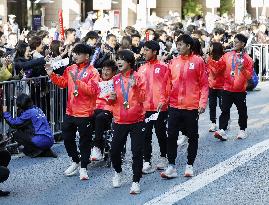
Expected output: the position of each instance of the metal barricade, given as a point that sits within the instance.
(44, 94)
(260, 52)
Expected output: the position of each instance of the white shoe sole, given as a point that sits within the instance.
(71, 174)
(135, 192)
(148, 171)
(84, 178)
(188, 175)
(116, 186)
(165, 176)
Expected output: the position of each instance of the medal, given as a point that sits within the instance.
(125, 92)
(232, 73)
(126, 105)
(75, 93)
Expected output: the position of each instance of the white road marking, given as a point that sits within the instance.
(185, 189)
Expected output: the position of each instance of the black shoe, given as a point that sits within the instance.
(48, 153)
(4, 193)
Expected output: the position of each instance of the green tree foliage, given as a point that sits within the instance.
(192, 8)
(226, 6)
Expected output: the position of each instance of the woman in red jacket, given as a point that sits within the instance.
(127, 100)
(215, 82)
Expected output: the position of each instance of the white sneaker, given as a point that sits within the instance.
(182, 140)
(147, 168)
(213, 127)
(116, 180)
(83, 174)
(242, 135)
(96, 154)
(169, 173)
(162, 164)
(135, 188)
(188, 171)
(72, 170)
(221, 135)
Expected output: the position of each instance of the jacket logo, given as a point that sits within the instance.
(191, 67)
(157, 70)
(117, 81)
(84, 75)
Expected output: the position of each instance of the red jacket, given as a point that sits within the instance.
(238, 83)
(155, 75)
(136, 98)
(84, 104)
(189, 83)
(215, 79)
(102, 102)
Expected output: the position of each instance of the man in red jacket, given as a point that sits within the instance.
(128, 113)
(238, 68)
(155, 75)
(188, 99)
(81, 80)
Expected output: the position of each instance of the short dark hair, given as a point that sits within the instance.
(24, 102)
(187, 39)
(42, 33)
(136, 35)
(91, 35)
(81, 48)
(127, 56)
(241, 38)
(111, 64)
(150, 29)
(153, 45)
(69, 30)
(35, 42)
(109, 36)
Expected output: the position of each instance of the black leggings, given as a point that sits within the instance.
(5, 158)
(102, 122)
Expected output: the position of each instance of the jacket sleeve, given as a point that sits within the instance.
(140, 89)
(24, 117)
(203, 84)
(61, 81)
(216, 66)
(29, 64)
(91, 87)
(247, 70)
(166, 88)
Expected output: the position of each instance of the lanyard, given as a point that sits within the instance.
(76, 77)
(238, 61)
(125, 92)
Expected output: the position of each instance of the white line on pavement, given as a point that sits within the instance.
(185, 189)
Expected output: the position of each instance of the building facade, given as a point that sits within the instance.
(121, 12)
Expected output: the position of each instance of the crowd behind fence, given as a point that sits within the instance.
(52, 99)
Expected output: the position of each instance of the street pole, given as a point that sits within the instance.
(32, 8)
(257, 13)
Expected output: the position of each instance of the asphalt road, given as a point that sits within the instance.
(41, 181)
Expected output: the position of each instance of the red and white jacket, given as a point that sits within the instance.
(189, 82)
(84, 104)
(238, 82)
(155, 75)
(215, 78)
(136, 97)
